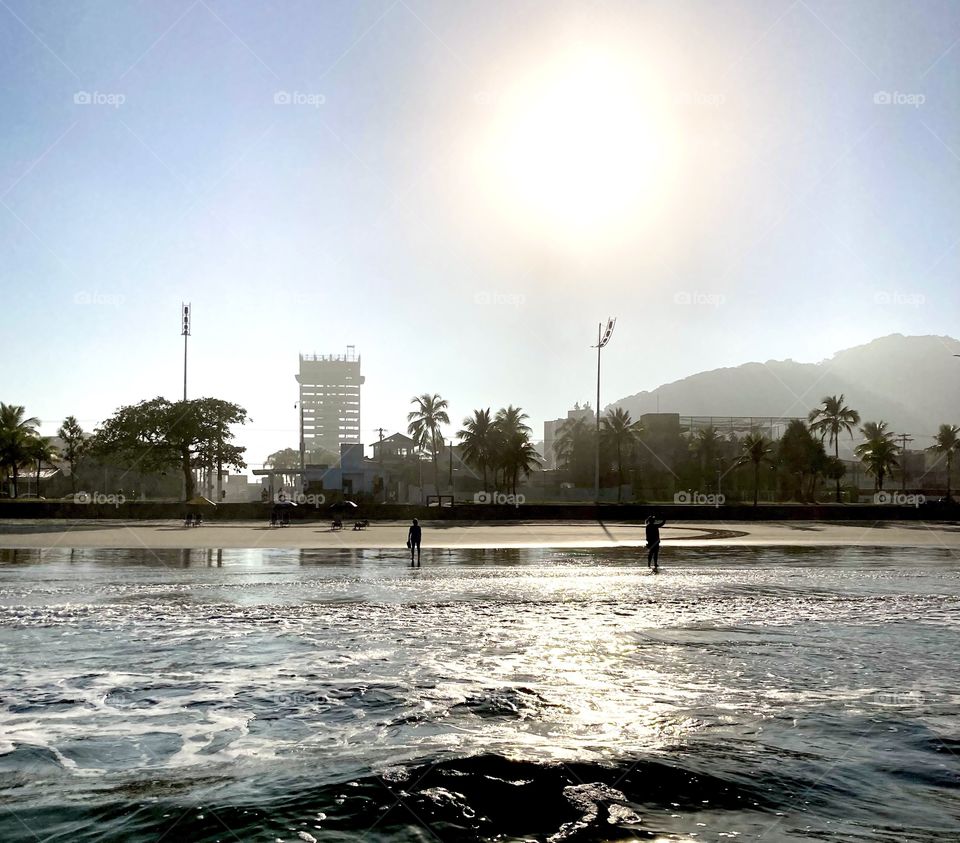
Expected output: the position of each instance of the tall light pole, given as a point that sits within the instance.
(185, 330)
(603, 337)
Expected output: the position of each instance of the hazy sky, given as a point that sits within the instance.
(463, 191)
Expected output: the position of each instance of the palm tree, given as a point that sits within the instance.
(41, 450)
(15, 435)
(946, 442)
(879, 452)
(478, 441)
(573, 447)
(830, 419)
(880, 458)
(756, 450)
(424, 426)
(876, 430)
(619, 432)
(519, 456)
(509, 422)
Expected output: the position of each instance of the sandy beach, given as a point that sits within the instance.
(454, 534)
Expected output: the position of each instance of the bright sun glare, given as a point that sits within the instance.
(580, 149)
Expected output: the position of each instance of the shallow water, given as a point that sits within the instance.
(751, 693)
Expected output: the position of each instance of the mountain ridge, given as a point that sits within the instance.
(880, 379)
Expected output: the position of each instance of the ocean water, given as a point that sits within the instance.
(265, 695)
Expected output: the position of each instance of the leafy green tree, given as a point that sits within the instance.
(75, 446)
(800, 457)
(479, 441)
(620, 434)
(829, 420)
(16, 432)
(40, 450)
(430, 411)
(284, 458)
(159, 434)
(879, 452)
(946, 442)
(756, 450)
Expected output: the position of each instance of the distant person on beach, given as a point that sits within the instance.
(413, 541)
(653, 525)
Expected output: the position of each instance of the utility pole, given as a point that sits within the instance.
(185, 330)
(904, 438)
(383, 477)
(602, 339)
(303, 449)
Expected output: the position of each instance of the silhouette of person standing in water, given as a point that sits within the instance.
(413, 541)
(653, 525)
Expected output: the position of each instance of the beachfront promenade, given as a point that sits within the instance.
(464, 534)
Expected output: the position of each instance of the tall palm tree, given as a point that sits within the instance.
(430, 411)
(879, 451)
(619, 433)
(478, 441)
(519, 456)
(16, 431)
(509, 423)
(880, 458)
(41, 450)
(573, 447)
(946, 442)
(830, 419)
(756, 449)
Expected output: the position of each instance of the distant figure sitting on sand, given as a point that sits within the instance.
(653, 525)
(413, 541)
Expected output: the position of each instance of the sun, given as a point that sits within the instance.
(580, 149)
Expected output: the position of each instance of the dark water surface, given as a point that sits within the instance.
(265, 695)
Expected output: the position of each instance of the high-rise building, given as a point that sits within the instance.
(330, 400)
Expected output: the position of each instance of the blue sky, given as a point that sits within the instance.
(311, 174)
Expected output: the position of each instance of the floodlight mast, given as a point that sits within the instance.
(603, 337)
(185, 330)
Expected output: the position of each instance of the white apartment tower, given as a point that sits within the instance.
(330, 400)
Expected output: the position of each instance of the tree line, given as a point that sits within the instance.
(160, 435)
(153, 435)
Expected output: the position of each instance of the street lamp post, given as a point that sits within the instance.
(603, 337)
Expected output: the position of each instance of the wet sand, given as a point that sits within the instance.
(455, 534)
